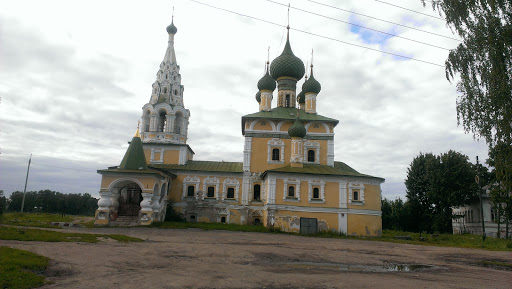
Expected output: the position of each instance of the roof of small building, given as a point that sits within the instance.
(134, 158)
(208, 166)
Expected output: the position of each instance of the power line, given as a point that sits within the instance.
(364, 27)
(318, 35)
(440, 18)
(391, 22)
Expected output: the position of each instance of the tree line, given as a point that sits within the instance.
(47, 201)
(437, 183)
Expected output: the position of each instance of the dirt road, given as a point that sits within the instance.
(194, 258)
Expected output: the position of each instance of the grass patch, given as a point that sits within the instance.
(21, 269)
(22, 234)
(213, 226)
(34, 219)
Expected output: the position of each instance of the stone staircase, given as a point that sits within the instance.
(125, 221)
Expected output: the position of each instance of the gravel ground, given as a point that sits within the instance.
(194, 258)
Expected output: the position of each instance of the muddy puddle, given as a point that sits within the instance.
(361, 268)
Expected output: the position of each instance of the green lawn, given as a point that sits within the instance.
(213, 226)
(34, 219)
(22, 234)
(21, 269)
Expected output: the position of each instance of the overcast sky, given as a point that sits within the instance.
(74, 76)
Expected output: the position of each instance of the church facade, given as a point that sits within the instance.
(288, 178)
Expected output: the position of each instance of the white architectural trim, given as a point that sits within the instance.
(254, 122)
(318, 123)
(271, 189)
(211, 181)
(272, 144)
(188, 181)
(312, 145)
(161, 159)
(227, 184)
(356, 187)
(321, 186)
(291, 182)
(247, 154)
(342, 194)
(330, 152)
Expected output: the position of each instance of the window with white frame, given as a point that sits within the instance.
(211, 187)
(256, 192)
(291, 190)
(230, 187)
(275, 151)
(190, 186)
(316, 191)
(356, 194)
(312, 152)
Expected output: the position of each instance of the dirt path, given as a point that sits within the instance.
(195, 258)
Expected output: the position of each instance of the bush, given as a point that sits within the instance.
(171, 215)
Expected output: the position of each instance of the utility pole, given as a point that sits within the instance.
(477, 180)
(26, 179)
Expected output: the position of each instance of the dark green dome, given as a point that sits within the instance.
(171, 29)
(297, 129)
(267, 83)
(258, 97)
(287, 64)
(301, 97)
(311, 85)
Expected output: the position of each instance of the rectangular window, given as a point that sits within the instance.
(311, 156)
(231, 193)
(211, 192)
(275, 154)
(190, 191)
(257, 192)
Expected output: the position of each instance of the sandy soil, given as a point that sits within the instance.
(194, 258)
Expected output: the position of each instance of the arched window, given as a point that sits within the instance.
(291, 191)
(275, 154)
(316, 193)
(175, 92)
(287, 101)
(145, 121)
(165, 89)
(256, 192)
(177, 123)
(190, 191)
(161, 121)
(311, 156)
(231, 193)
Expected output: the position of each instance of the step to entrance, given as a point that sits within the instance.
(125, 221)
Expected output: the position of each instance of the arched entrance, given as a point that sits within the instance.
(129, 200)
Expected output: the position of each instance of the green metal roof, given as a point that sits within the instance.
(134, 158)
(208, 166)
(287, 113)
(311, 85)
(339, 169)
(287, 64)
(267, 82)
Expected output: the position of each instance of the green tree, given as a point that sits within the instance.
(435, 184)
(484, 62)
(3, 202)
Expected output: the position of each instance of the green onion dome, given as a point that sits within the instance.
(171, 29)
(297, 129)
(301, 97)
(287, 64)
(311, 85)
(267, 83)
(258, 97)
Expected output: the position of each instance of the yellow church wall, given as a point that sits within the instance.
(285, 126)
(319, 129)
(263, 125)
(156, 156)
(259, 154)
(147, 155)
(364, 225)
(177, 187)
(372, 198)
(171, 156)
(289, 221)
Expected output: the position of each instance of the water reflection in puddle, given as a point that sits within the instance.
(361, 268)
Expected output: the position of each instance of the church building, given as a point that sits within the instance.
(288, 178)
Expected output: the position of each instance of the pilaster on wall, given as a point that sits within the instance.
(330, 152)
(271, 191)
(343, 194)
(247, 153)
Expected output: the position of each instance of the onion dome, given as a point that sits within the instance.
(311, 85)
(287, 64)
(301, 97)
(258, 97)
(267, 83)
(171, 29)
(297, 129)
